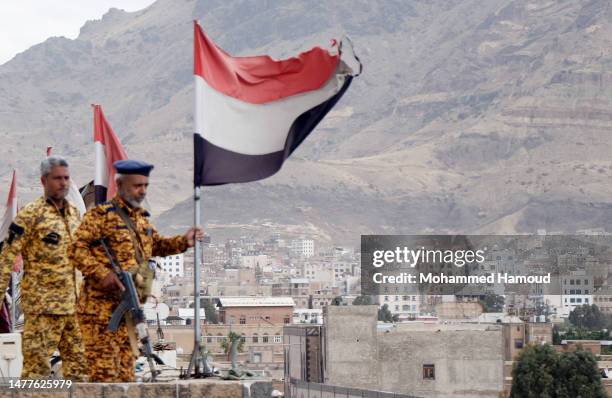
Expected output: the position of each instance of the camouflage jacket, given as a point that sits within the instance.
(103, 222)
(41, 233)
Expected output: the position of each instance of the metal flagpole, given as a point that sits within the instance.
(198, 357)
(13, 302)
(198, 361)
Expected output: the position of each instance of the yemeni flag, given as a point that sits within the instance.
(11, 208)
(252, 112)
(108, 151)
(6, 314)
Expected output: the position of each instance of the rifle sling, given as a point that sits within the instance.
(136, 241)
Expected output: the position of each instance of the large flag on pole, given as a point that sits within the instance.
(108, 151)
(251, 113)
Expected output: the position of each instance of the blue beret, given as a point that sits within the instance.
(133, 167)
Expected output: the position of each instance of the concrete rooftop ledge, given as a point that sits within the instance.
(204, 388)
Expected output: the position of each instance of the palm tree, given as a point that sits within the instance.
(226, 343)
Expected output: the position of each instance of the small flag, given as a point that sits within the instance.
(108, 150)
(9, 216)
(251, 113)
(11, 207)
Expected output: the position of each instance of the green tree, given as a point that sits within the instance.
(209, 310)
(211, 313)
(363, 300)
(534, 372)
(493, 303)
(384, 314)
(540, 372)
(577, 375)
(556, 336)
(588, 317)
(226, 343)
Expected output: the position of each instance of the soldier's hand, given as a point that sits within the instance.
(112, 283)
(194, 234)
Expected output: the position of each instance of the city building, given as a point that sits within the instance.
(303, 247)
(309, 316)
(172, 265)
(255, 310)
(467, 359)
(404, 306)
(576, 290)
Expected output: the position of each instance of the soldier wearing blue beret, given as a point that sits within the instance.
(125, 226)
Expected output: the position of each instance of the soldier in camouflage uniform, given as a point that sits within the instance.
(109, 355)
(41, 232)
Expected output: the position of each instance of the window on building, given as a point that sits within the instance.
(405, 307)
(255, 338)
(287, 320)
(429, 372)
(518, 343)
(209, 339)
(579, 300)
(586, 300)
(572, 300)
(586, 281)
(243, 338)
(256, 357)
(577, 281)
(386, 298)
(242, 320)
(571, 281)
(264, 339)
(278, 339)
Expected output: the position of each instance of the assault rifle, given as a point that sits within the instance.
(129, 308)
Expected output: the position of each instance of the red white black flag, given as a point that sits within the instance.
(108, 150)
(251, 113)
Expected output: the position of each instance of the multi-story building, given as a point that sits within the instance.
(427, 359)
(576, 290)
(603, 299)
(173, 265)
(405, 306)
(255, 310)
(303, 247)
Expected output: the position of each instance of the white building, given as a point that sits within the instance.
(252, 262)
(405, 306)
(173, 265)
(303, 247)
(305, 315)
(576, 290)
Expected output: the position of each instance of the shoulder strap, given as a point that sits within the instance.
(136, 241)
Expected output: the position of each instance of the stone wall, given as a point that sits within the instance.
(205, 388)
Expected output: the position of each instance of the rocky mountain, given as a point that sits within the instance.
(470, 116)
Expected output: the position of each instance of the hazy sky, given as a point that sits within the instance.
(24, 23)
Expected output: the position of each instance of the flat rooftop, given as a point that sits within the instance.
(256, 302)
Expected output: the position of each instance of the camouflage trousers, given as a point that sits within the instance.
(44, 334)
(109, 354)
